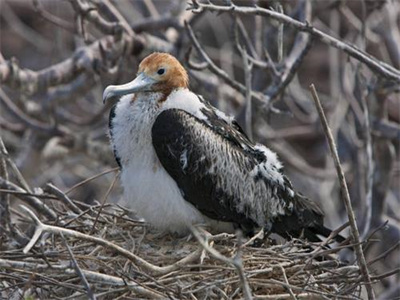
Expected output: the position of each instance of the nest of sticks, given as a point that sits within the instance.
(100, 252)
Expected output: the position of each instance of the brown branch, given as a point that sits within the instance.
(346, 197)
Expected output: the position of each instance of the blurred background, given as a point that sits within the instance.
(56, 58)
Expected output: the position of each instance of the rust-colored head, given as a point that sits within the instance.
(165, 70)
(158, 72)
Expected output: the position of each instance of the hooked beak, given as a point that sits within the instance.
(142, 83)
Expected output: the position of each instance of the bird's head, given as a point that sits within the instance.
(158, 72)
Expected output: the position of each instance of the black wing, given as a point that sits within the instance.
(184, 146)
(110, 127)
(213, 164)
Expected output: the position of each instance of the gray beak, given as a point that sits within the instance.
(142, 83)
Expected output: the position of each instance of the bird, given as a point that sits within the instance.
(184, 162)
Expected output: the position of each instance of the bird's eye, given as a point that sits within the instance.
(161, 71)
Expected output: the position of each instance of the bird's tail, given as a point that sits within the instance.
(305, 219)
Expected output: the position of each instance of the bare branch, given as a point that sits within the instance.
(346, 197)
(378, 66)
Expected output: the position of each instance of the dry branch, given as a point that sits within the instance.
(346, 197)
(148, 267)
(380, 67)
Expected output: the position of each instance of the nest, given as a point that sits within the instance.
(94, 251)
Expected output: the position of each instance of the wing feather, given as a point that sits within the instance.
(229, 178)
(215, 171)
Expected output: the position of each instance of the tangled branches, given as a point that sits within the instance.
(251, 60)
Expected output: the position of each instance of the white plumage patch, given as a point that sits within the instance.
(271, 167)
(148, 188)
(187, 101)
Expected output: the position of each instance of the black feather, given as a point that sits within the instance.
(173, 135)
(110, 126)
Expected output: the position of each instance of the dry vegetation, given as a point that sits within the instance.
(255, 62)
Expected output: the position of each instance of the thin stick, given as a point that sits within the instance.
(280, 36)
(236, 262)
(90, 179)
(287, 282)
(94, 276)
(4, 197)
(78, 270)
(104, 201)
(346, 197)
(33, 201)
(248, 66)
(63, 197)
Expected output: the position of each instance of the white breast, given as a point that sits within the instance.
(148, 188)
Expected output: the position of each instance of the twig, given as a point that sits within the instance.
(387, 274)
(259, 235)
(370, 166)
(104, 201)
(334, 233)
(95, 276)
(216, 70)
(31, 200)
(27, 120)
(116, 169)
(52, 18)
(346, 197)
(236, 262)
(150, 268)
(26, 32)
(117, 15)
(78, 270)
(50, 188)
(4, 198)
(248, 66)
(287, 282)
(293, 61)
(84, 10)
(384, 254)
(280, 36)
(247, 40)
